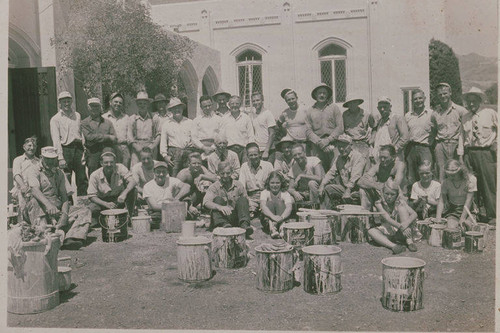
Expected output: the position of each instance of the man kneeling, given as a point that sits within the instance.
(228, 201)
(397, 218)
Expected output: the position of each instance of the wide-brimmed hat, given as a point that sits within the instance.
(352, 100)
(321, 85)
(142, 95)
(49, 152)
(344, 138)
(221, 92)
(160, 98)
(475, 92)
(64, 94)
(452, 169)
(286, 138)
(174, 102)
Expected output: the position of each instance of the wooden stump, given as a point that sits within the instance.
(172, 215)
(403, 279)
(229, 248)
(275, 270)
(194, 262)
(322, 269)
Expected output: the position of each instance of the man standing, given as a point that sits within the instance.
(391, 129)
(68, 141)
(358, 125)
(221, 154)
(98, 133)
(161, 113)
(340, 182)
(293, 119)
(324, 124)
(120, 122)
(264, 125)
(143, 172)
(205, 127)
(221, 98)
(175, 142)
(141, 132)
(480, 128)
(420, 140)
(238, 128)
(447, 125)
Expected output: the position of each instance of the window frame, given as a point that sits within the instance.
(409, 90)
(332, 59)
(246, 63)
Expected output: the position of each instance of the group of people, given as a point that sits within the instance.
(240, 163)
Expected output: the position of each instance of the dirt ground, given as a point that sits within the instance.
(134, 284)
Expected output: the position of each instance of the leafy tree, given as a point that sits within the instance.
(443, 67)
(115, 46)
(492, 94)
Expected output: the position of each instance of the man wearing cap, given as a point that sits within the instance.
(284, 159)
(340, 182)
(264, 125)
(358, 125)
(143, 172)
(141, 130)
(68, 140)
(446, 122)
(162, 188)
(175, 139)
(293, 119)
(98, 133)
(120, 122)
(324, 124)
(205, 127)
(221, 154)
(391, 129)
(160, 115)
(237, 127)
(50, 203)
(221, 98)
(420, 136)
(111, 186)
(480, 128)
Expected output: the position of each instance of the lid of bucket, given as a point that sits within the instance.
(115, 211)
(423, 222)
(318, 216)
(298, 225)
(63, 269)
(274, 247)
(142, 217)
(198, 240)
(474, 233)
(228, 231)
(322, 249)
(438, 226)
(452, 229)
(403, 262)
(439, 221)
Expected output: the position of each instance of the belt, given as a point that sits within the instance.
(74, 144)
(413, 143)
(478, 148)
(447, 140)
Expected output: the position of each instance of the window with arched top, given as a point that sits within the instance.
(249, 63)
(333, 67)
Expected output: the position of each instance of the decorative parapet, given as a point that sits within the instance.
(330, 15)
(246, 22)
(184, 27)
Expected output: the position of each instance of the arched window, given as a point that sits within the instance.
(332, 61)
(249, 64)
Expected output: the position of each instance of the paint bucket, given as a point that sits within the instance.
(474, 242)
(298, 234)
(322, 269)
(142, 212)
(403, 283)
(141, 224)
(194, 259)
(114, 225)
(436, 236)
(188, 228)
(229, 248)
(483, 228)
(323, 232)
(435, 220)
(424, 227)
(452, 239)
(64, 277)
(275, 269)
(303, 216)
(172, 215)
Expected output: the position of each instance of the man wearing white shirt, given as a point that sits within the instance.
(264, 125)
(206, 126)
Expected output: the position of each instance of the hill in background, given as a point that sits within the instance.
(477, 71)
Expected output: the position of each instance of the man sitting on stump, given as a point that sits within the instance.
(228, 201)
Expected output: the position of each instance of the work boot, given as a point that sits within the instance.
(397, 249)
(412, 247)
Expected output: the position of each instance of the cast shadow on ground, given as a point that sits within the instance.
(65, 296)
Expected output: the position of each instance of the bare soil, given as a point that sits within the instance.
(134, 284)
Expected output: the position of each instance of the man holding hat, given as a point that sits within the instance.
(68, 141)
(446, 122)
(98, 133)
(340, 182)
(120, 121)
(358, 125)
(480, 128)
(324, 124)
(175, 139)
(293, 119)
(49, 203)
(391, 129)
(111, 186)
(141, 130)
(205, 127)
(221, 98)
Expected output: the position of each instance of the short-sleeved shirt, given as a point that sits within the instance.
(230, 196)
(159, 120)
(176, 134)
(284, 196)
(158, 193)
(206, 127)
(295, 123)
(64, 129)
(22, 164)
(252, 179)
(120, 124)
(142, 176)
(432, 192)
(94, 132)
(51, 185)
(419, 126)
(457, 195)
(480, 128)
(448, 122)
(213, 161)
(239, 130)
(295, 170)
(261, 124)
(141, 128)
(349, 168)
(281, 165)
(100, 187)
(357, 125)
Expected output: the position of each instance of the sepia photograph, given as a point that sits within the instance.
(250, 165)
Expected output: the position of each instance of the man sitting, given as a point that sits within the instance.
(228, 201)
(199, 179)
(220, 154)
(425, 193)
(162, 188)
(284, 158)
(49, 203)
(253, 176)
(111, 186)
(340, 182)
(143, 172)
(305, 176)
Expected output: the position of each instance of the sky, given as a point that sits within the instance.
(472, 26)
